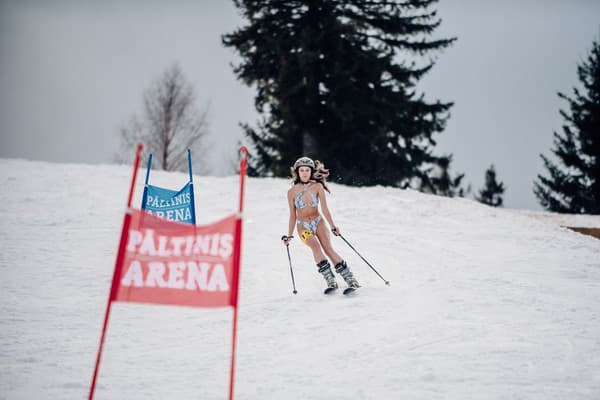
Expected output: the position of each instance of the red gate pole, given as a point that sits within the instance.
(117, 272)
(237, 257)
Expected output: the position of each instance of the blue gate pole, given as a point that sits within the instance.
(191, 187)
(145, 195)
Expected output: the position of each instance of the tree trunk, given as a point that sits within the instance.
(309, 143)
(309, 147)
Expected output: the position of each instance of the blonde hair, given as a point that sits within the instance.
(318, 174)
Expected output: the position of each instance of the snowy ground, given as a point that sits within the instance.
(484, 303)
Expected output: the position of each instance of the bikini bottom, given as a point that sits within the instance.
(310, 227)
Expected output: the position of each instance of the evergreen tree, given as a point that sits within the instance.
(438, 180)
(336, 82)
(492, 192)
(575, 187)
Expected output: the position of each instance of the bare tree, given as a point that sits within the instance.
(170, 125)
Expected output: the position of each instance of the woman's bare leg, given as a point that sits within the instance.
(314, 245)
(325, 241)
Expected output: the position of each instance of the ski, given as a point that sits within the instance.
(329, 290)
(349, 290)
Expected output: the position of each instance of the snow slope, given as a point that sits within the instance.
(484, 303)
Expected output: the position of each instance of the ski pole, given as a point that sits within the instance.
(287, 247)
(352, 247)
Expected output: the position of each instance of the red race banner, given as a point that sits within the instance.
(166, 262)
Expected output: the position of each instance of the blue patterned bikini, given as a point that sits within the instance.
(313, 223)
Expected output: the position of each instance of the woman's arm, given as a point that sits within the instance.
(292, 220)
(325, 210)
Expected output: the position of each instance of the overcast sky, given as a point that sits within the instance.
(73, 72)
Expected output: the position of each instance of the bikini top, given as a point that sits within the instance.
(300, 204)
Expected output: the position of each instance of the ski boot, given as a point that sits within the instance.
(342, 269)
(325, 270)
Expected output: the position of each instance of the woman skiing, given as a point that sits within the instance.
(303, 198)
